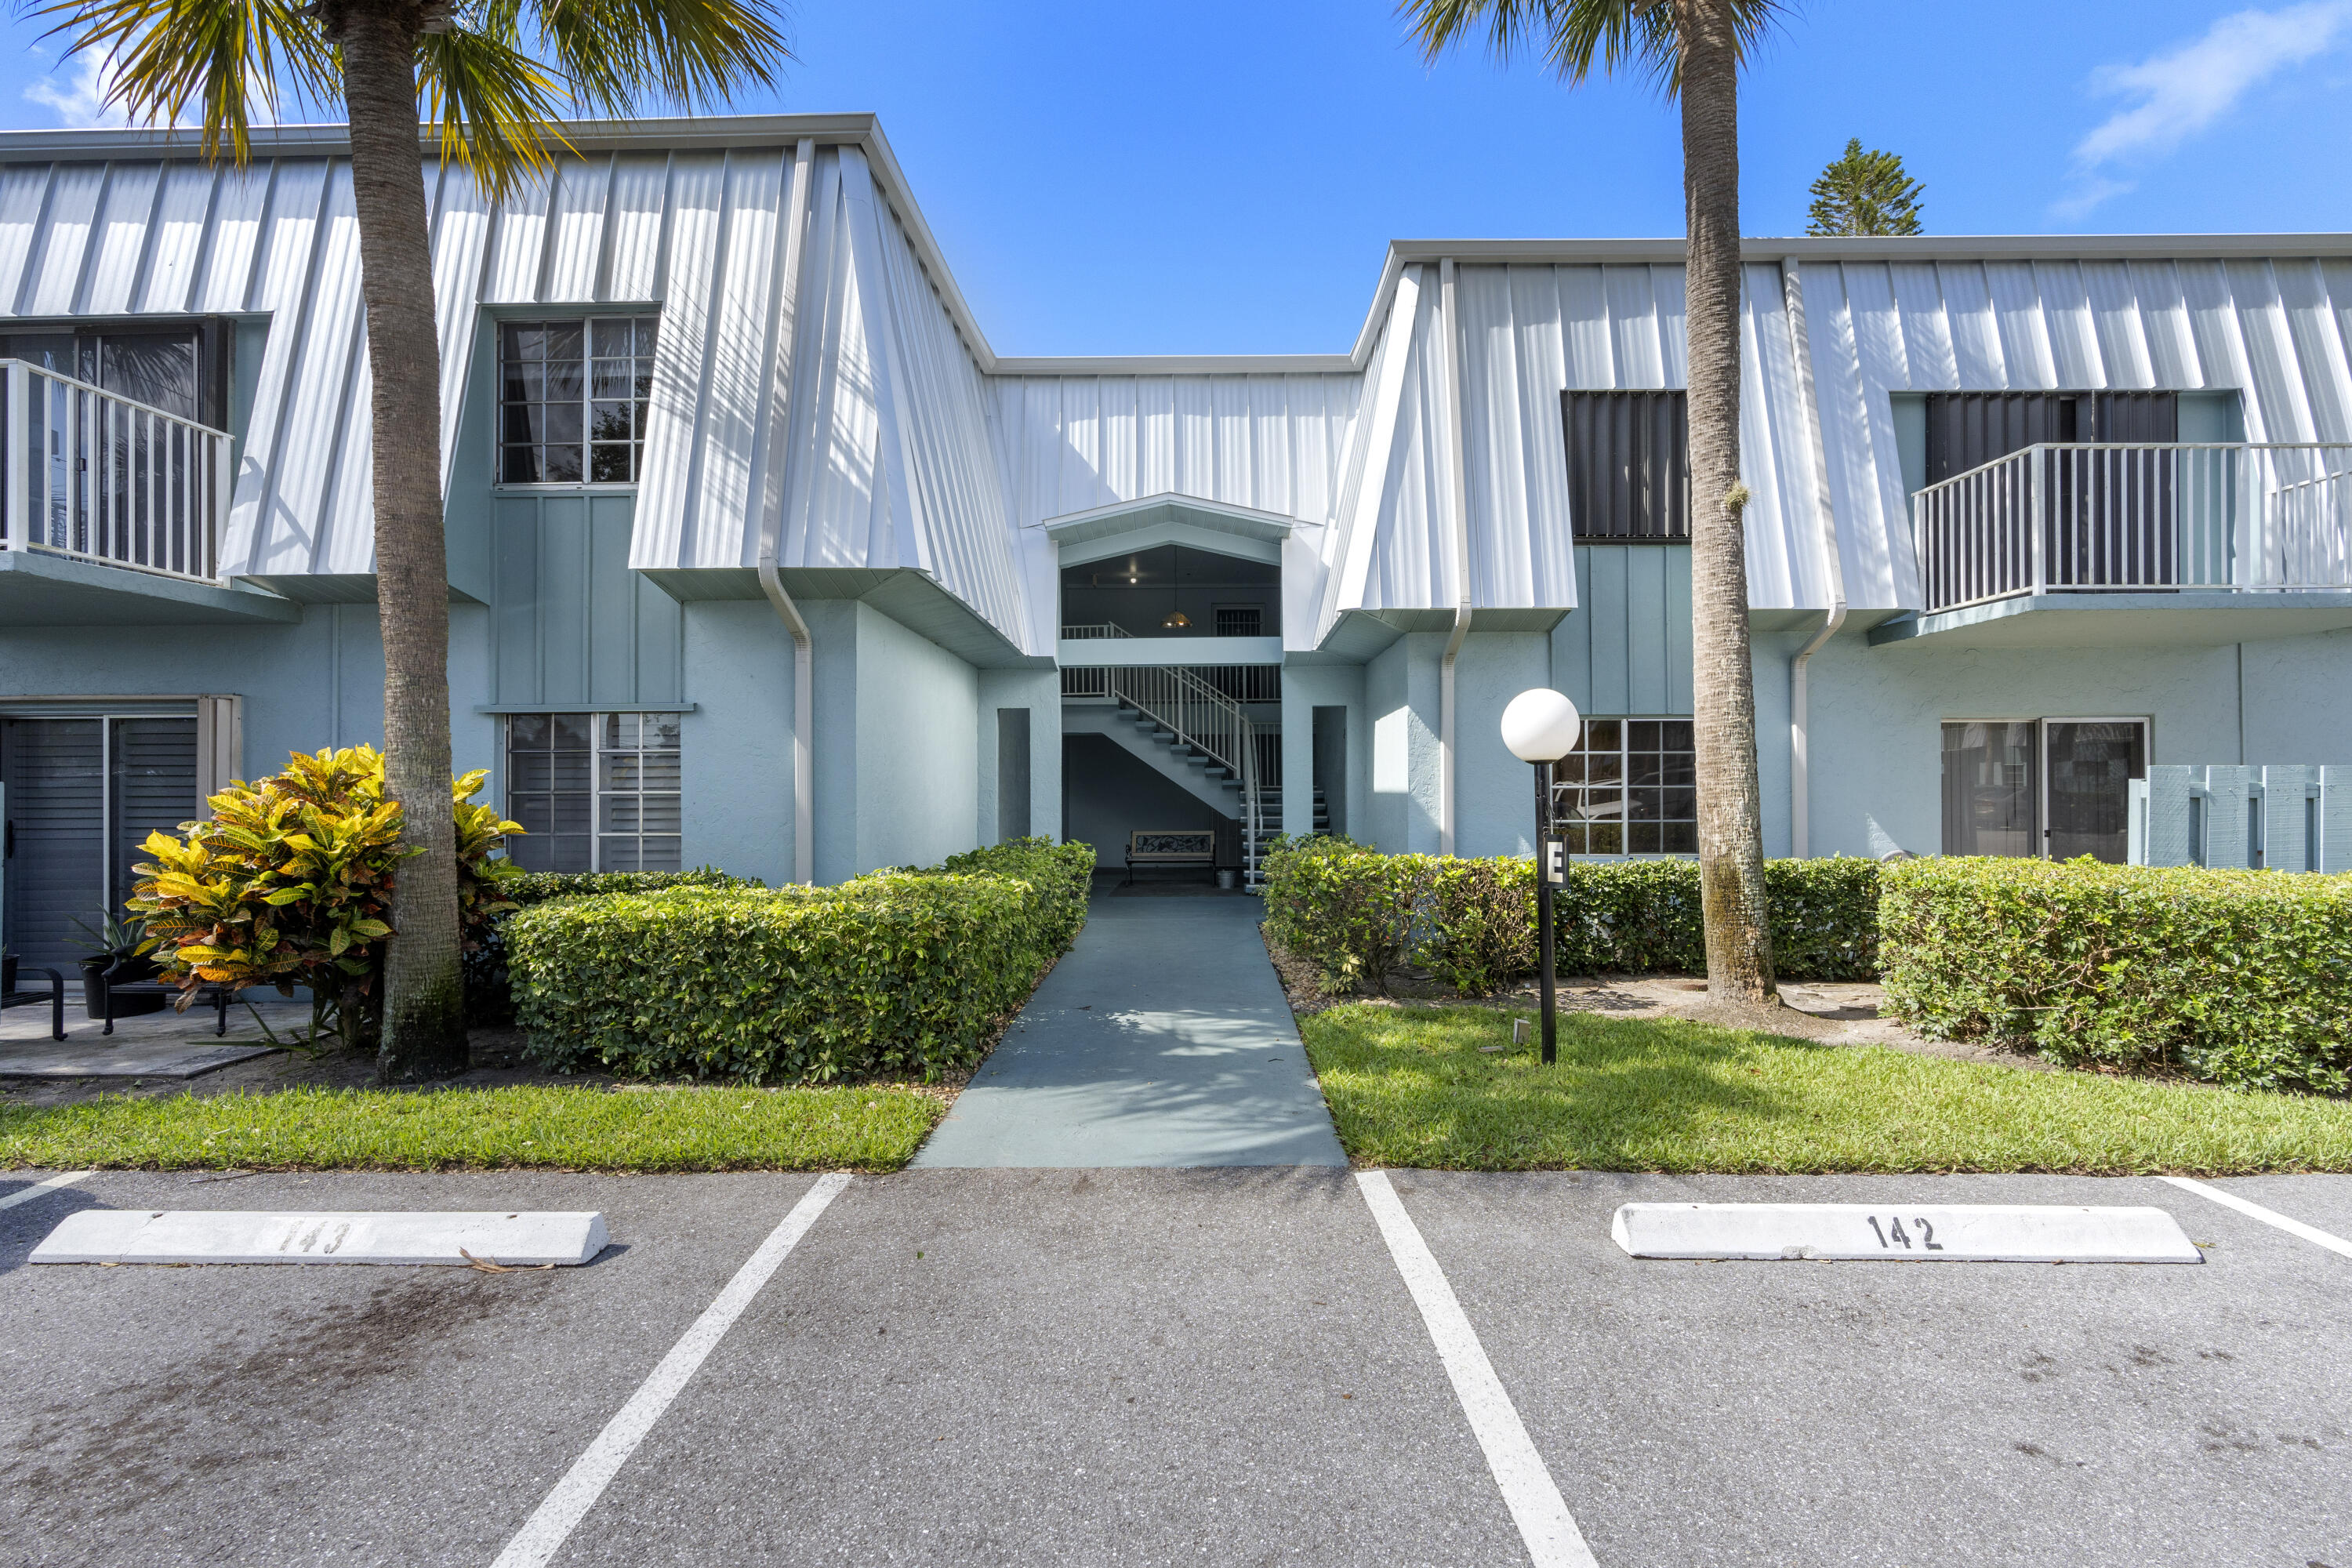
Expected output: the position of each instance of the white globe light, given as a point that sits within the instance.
(1540, 726)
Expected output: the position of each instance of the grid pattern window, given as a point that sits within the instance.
(594, 791)
(1630, 787)
(571, 400)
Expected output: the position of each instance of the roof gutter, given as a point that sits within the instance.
(1457, 503)
(772, 527)
(1792, 290)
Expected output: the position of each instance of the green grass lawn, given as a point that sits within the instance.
(1409, 1086)
(690, 1128)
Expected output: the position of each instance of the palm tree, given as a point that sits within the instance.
(493, 75)
(1694, 51)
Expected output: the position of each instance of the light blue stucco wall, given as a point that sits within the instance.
(1040, 691)
(1401, 704)
(1495, 811)
(317, 682)
(1877, 717)
(735, 746)
(1495, 801)
(1305, 688)
(896, 742)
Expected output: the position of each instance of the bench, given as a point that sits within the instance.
(1185, 847)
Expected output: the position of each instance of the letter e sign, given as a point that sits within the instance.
(1555, 862)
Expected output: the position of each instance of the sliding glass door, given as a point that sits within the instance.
(2088, 766)
(2055, 787)
(78, 798)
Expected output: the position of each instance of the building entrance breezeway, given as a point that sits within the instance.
(1152, 749)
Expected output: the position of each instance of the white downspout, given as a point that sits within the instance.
(1458, 504)
(1799, 763)
(771, 524)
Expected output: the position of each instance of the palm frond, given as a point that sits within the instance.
(224, 55)
(1574, 35)
(611, 53)
(488, 102)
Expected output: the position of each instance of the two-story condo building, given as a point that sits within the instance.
(2028, 514)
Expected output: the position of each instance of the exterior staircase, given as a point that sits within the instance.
(1200, 730)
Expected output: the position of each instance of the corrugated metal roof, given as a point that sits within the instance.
(905, 442)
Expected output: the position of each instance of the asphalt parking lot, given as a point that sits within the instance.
(1158, 1367)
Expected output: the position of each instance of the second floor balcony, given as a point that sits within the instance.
(2256, 523)
(111, 506)
(95, 476)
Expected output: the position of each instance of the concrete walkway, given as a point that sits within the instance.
(1161, 1038)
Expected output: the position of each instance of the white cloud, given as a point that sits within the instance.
(79, 97)
(2172, 96)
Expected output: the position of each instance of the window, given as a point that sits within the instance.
(1240, 620)
(1968, 429)
(1628, 465)
(1630, 787)
(2059, 787)
(572, 404)
(183, 371)
(594, 791)
(83, 792)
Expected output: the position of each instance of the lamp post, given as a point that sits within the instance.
(1540, 727)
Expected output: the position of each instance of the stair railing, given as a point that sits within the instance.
(1205, 719)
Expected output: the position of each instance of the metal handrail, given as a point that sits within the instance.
(95, 476)
(1202, 718)
(1095, 631)
(2108, 517)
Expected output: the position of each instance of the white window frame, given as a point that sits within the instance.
(1623, 784)
(596, 791)
(647, 310)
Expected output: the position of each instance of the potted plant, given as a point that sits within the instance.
(117, 965)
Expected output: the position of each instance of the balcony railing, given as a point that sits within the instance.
(2138, 518)
(92, 475)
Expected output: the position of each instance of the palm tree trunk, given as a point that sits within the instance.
(423, 1003)
(1730, 820)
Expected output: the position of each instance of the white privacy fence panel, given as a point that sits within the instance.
(2292, 818)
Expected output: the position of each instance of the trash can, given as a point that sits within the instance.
(1226, 878)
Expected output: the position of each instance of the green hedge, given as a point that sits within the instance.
(1361, 915)
(900, 971)
(2241, 977)
(490, 1001)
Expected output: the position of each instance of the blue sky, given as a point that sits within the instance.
(1220, 177)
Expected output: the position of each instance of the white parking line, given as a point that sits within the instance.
(577, 1492)
(2309, 1233)
(1545, 1524)
(26, 1195)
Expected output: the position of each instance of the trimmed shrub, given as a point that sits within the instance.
(1063, 873)
(1360, 915)
(897, 971)
(488, 1001)
(1479, 930)
(1352, 911)
(2241, 977)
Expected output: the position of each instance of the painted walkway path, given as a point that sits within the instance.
(1161, 1038)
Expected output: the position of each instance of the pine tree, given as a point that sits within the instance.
(1864, 192)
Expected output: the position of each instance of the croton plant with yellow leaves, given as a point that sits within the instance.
(289, 881)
